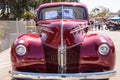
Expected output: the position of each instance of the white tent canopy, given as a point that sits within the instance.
(115, 18)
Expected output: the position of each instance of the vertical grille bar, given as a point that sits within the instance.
(62, 59)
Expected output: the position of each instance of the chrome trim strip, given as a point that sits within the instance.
(62, 59)
(47, 30)
(59, 60)
(61, 31)
(44, 25)
(72, 76)
(62, 50)
(77, 30)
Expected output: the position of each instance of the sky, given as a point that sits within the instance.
(113, 5)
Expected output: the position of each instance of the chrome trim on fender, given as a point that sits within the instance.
(95, 75)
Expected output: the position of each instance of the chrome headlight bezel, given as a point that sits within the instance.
(20, 50)
(104, 49)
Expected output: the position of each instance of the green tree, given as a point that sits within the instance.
(12, 9)
(100, 12)
(3, 8)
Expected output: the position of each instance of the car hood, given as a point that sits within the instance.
(69, 32)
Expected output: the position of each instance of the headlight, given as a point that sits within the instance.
(103, 49)
(21, 50)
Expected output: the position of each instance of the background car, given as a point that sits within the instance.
(62, 48)
(112, 25)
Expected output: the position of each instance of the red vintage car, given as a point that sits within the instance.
(62, 48)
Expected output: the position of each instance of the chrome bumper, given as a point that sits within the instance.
(96, 75)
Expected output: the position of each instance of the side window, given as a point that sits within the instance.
(80, 13)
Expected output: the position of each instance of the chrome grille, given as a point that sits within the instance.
(73, 59)
(51, 56)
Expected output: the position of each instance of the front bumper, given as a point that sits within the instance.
(95, 75)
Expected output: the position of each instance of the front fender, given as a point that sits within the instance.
(34, 55)
(90, 58)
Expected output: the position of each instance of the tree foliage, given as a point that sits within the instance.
(12, 9)
(100, 11)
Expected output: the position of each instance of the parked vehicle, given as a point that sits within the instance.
(63, 48)
(112, 26)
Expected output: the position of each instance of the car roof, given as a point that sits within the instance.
(62, 3)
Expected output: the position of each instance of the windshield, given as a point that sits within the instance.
(64, 12)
